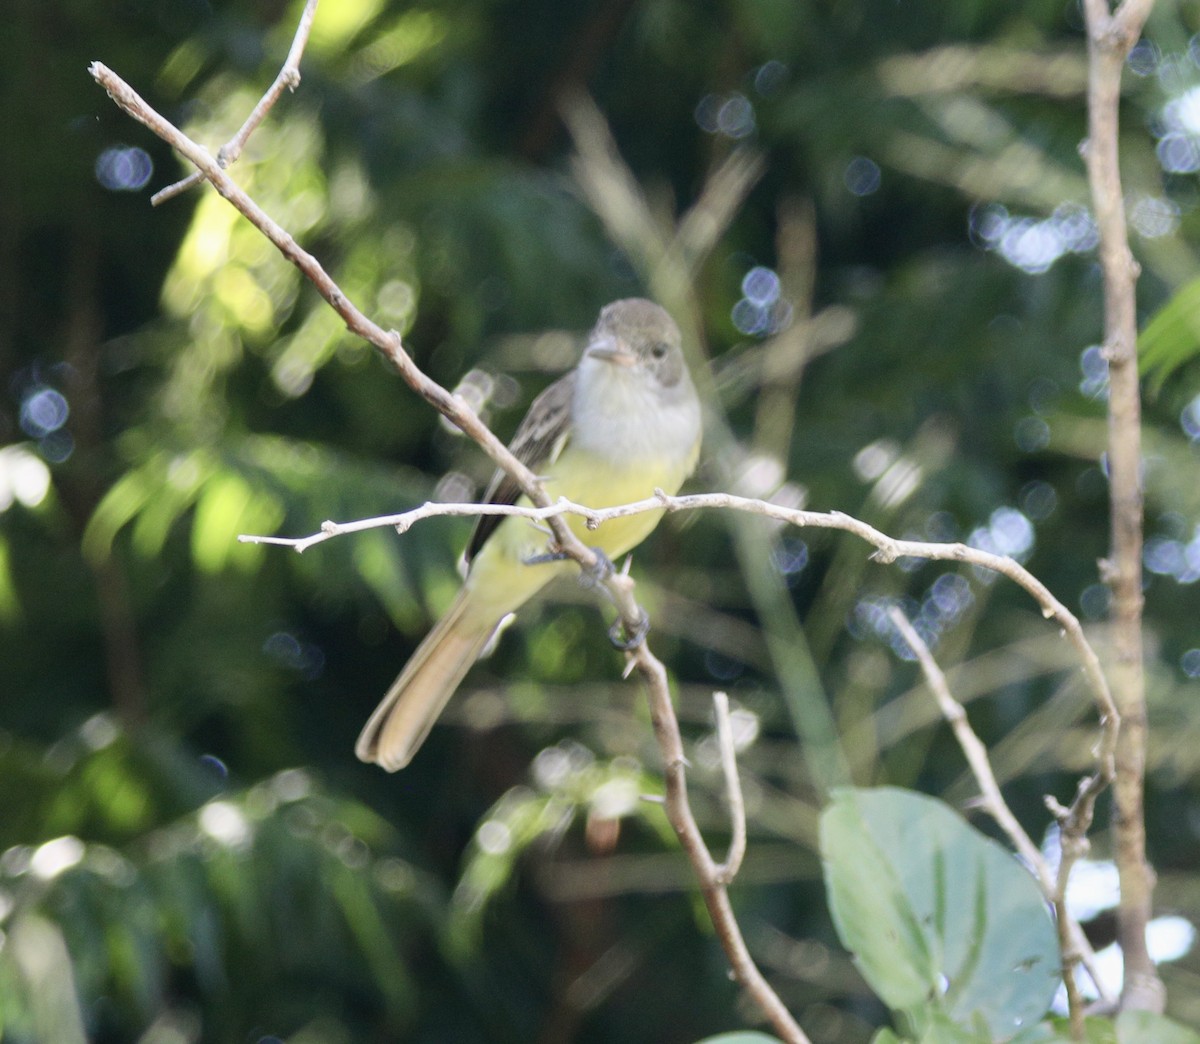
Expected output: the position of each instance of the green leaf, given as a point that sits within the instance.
(936, 915)
(1095, 1031)
(1172, 337)
(523, 815)
(873, 916)
(1052, 1031)
(1130, 1027)
(939, 1028)
(1144, 1027)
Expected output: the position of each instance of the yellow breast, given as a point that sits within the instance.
(499, 574)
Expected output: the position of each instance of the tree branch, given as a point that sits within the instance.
(727, 871)
(1073, 944)
(709, 873)
(1110, 38)
(888, 549)
(452, 407)
(289, 77)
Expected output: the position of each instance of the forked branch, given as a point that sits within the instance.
(289, 78)
(1073, 825)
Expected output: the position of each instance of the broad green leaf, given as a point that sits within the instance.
(1144, 1027)
(1095, 1030)
(935, 912)
(1172, 337)
(939, 1028)
(936, 1027)
(1049, 1032)
(1052, 1031)
(1130, 1027)
(873, 916)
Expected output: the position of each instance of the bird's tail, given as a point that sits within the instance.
(406, 714)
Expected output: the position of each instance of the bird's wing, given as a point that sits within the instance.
(538, 442)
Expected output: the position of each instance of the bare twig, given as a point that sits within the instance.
(785, 355)
(1002, 68)
(727, 871)
(992, 801)
(388, 342)
(289, 77)
(724, 191)
(1073, 822)
(1111, 36)
(888, 549)
(1073, 845)
(1073, 944)
(666, 256)
(708, 872)
(452, 407)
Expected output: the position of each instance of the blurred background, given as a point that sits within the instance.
(872, 221)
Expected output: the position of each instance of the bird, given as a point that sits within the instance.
(624, 422)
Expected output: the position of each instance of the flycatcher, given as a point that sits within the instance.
(624, 422)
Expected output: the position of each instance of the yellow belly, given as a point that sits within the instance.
(501, 578)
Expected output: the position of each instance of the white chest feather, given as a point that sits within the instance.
(621, 416)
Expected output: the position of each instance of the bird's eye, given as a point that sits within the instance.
(659, 351)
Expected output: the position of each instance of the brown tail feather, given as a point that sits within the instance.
(406, 714)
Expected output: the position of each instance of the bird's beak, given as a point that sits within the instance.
(613, 350)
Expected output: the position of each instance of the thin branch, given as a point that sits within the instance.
(992, 801)
(1111, 36)
(706, 220)
(888, 549)
(667, 256)
(1131, 16)
(607, 183)
(1000, 68)
(1073, 845)
(784, 356)
(388, 342)
(1073, 822)
(289, 78)
(727, 870)
(1073, 944)
(82, 489)
(708, 872)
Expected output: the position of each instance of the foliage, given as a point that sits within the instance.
(941, 920)
(920, 242)
(948, 928)
(1171, 337)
